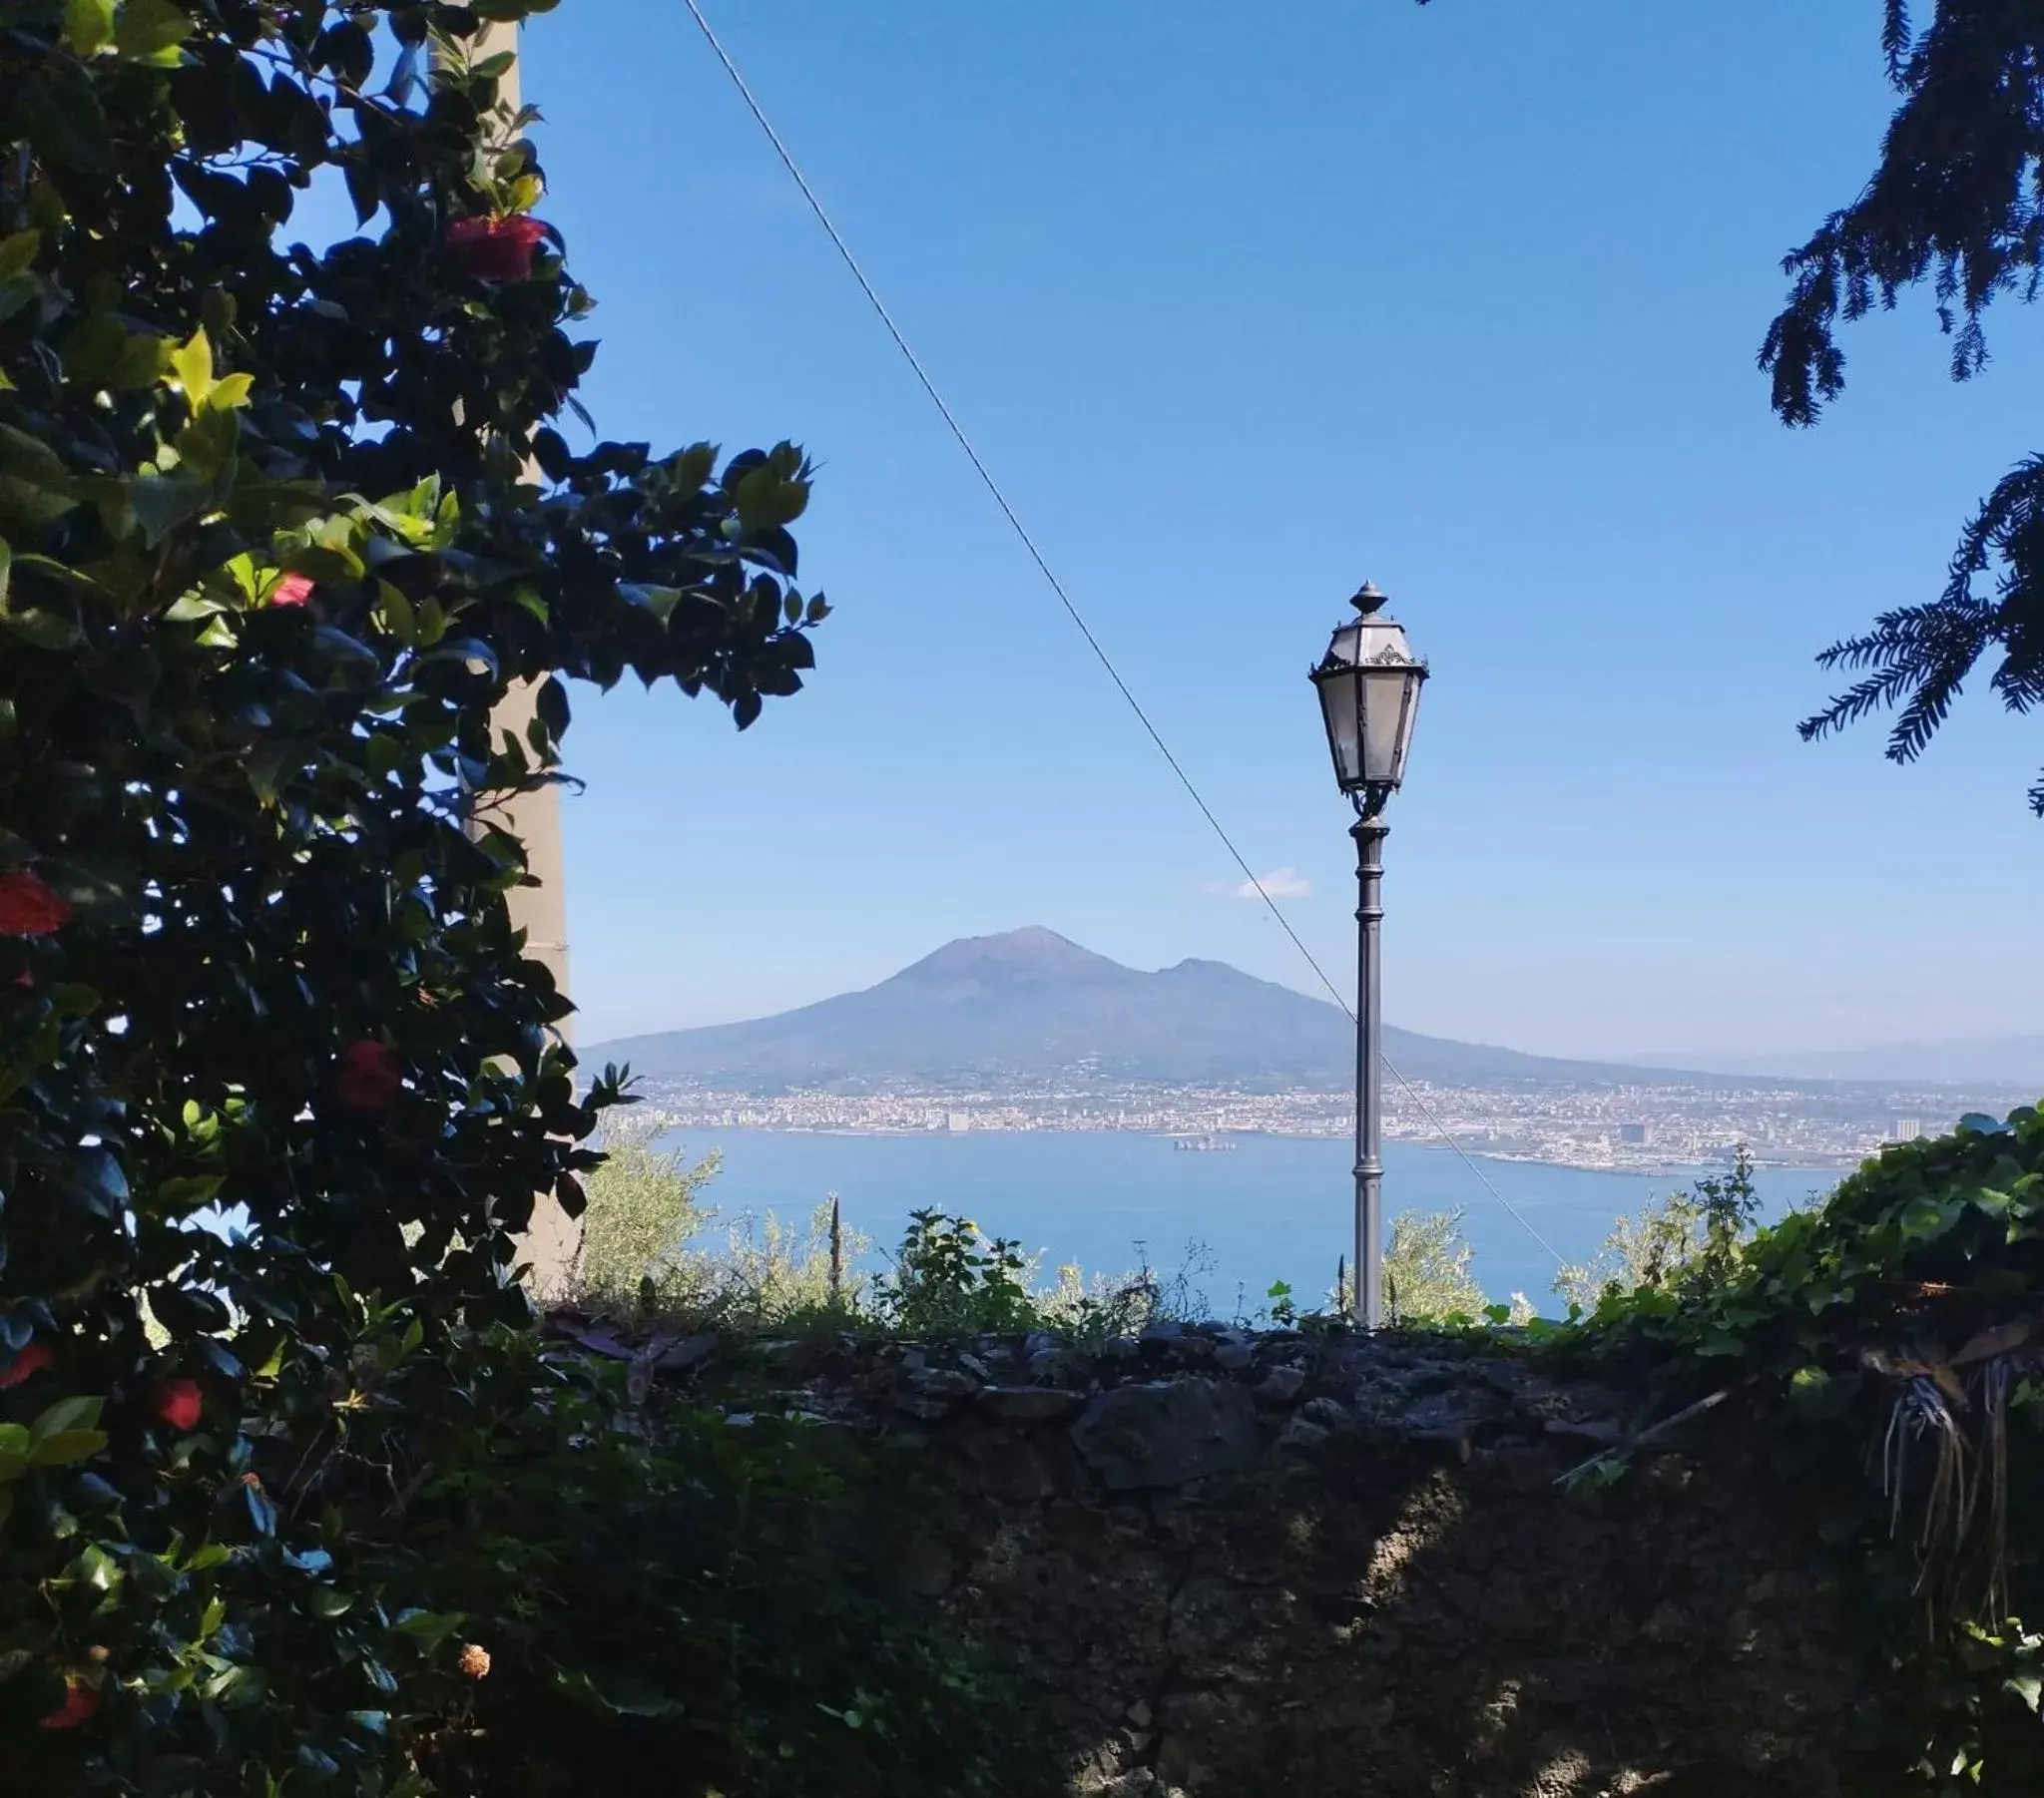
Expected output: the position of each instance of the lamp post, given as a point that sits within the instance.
(1369, 684)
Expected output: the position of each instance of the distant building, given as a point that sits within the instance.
(1636, 1135)
(958, 1120)
(1907, 1130)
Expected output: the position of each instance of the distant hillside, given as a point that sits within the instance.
(1995, 1061)
(1031, 1006)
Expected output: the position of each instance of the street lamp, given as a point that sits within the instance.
(1369, 694)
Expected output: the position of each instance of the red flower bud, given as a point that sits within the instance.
(293, 589)
(80, 1701)
(177, 1403)
(496, 249)
(32, 1360)
(28, 908)
(370, 1077)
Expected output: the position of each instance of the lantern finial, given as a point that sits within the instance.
(1367, 600)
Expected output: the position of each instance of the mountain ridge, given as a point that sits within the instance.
(1029, 1005)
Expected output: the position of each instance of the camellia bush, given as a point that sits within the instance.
(281, 527)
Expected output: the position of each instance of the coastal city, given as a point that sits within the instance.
(1645, 1129)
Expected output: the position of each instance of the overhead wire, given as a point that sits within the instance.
(1057, 586)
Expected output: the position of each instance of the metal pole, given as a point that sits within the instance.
(1369, 1166)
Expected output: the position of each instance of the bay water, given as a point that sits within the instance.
(1270, 1209)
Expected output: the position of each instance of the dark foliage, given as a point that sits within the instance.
(279, 528)
(1957, 200)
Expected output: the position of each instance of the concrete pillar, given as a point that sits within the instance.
(553, 1246)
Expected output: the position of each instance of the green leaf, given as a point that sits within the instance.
(67, 1414)
(88, 25)
(659, 600)
(163, 502)
(66, 1445)
(149, 31)
(208, 444)
(400, 619)
(191, 364)
(429, 1626)
(31, 459)
(18, 252)
(52, 627)
(186, 1193)
(326, 1603)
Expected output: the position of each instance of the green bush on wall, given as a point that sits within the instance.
(1892, 1340)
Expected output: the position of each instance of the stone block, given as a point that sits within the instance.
(1166, 1434)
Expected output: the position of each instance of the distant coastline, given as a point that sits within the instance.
(1666, 1168)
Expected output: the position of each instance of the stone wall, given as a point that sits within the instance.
(1209, 1561)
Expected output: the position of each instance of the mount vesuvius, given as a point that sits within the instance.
(1030, 1007)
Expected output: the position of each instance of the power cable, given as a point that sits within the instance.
(1057, 586)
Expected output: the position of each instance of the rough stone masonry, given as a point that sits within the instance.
(1211, 1561)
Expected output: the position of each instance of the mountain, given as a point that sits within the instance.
(1032, 1006)
(1998, 1060)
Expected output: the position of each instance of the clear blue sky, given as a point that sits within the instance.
(1245, 303)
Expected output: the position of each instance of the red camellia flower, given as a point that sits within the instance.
(293, 589)
(32, 1360)
(370, 1077)
(496, 249)
(28, 908)
(177, 1403)
(80, 1701)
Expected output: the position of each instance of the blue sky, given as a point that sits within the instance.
(1244, 304)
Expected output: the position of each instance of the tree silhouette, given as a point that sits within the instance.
(1957, 200)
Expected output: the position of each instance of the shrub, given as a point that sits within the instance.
(643, 1209)
(1682, 1241)
(1426, 1270)
(951, 1280)
(651, 1248)
(279, 529)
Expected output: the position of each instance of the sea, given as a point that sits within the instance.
(1271, 1208)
